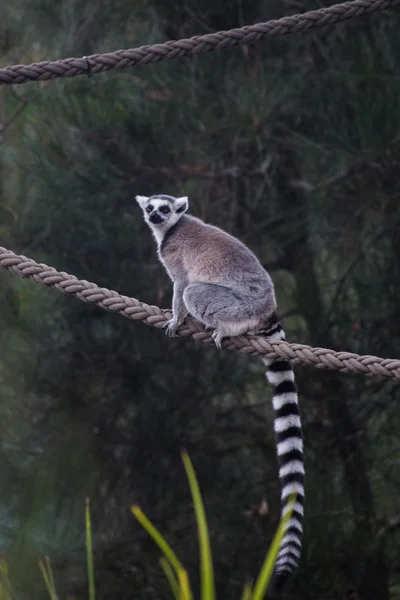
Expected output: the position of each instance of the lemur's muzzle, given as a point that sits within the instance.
(155, 218)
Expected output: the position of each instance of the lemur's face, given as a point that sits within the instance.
(162, 210)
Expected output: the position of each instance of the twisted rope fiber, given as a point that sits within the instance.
(132, 308)
(121, 59)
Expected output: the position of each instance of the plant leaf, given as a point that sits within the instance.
(170, 575)
(89, 552)
(184, 586)
(157, 537)
(206, 566)
(264, 576)
(247, 592)
(48, 577)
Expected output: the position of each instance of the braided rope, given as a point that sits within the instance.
(121, 59)
(131, 308)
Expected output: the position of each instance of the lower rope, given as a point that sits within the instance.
(131, 308)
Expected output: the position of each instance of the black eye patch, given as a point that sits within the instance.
(149, 208)
(164, 210)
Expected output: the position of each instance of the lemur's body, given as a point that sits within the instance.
(220, 282)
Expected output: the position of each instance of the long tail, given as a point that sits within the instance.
(289, 444)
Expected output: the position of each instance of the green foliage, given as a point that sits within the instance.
(174, 571)
(89, 552)
(6, 589)
(47, 572)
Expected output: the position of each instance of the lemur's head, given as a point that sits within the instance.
(162, 211)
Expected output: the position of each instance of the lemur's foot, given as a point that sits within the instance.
(217, 337)
(170, 327)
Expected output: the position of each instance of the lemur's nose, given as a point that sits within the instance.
(155, 218)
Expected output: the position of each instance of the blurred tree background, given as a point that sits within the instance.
(293, 145)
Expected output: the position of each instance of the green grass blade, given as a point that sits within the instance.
(170, 575)
(89, 552)
(48, 578)
(184, 586)
(206, 566)
(6, 589)
(50, 574)
(247, 592)
(264, 576)
(157, 538)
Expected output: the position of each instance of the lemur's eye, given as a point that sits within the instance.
(149, 209)
(164, 210)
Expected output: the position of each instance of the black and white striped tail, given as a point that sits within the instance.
(289, 444)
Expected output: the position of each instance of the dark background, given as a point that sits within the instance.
(293, 145)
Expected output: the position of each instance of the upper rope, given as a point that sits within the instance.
(121, 59)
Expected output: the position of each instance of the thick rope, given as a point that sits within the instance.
(321, 358)
(121, 59)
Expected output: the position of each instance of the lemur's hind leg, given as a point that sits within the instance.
(222, 309)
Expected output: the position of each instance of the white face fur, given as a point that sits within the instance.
(161, 213)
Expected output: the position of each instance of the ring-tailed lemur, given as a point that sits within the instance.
(220, 282)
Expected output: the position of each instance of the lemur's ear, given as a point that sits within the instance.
(142, 201)
(181, 204)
